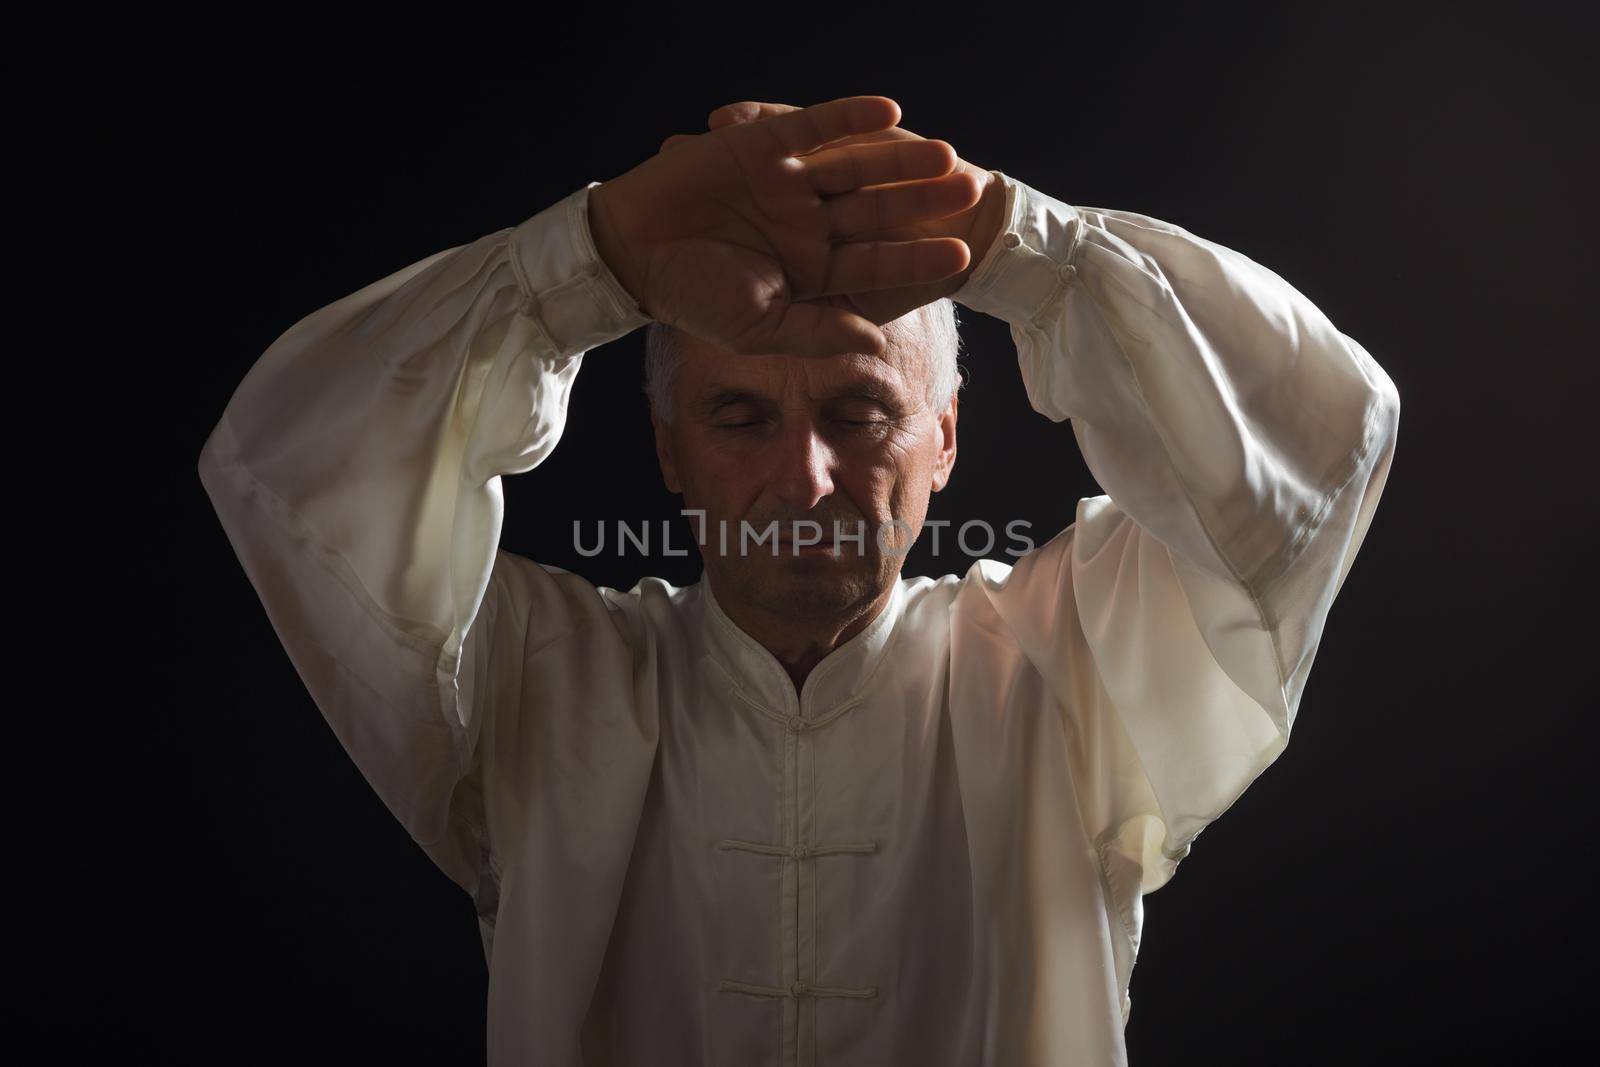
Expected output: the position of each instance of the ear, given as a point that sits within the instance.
(666, 454)
(946, 460)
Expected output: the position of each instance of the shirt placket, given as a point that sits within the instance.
(799, 924)
(798, 852)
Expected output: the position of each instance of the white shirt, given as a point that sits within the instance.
(935, 853)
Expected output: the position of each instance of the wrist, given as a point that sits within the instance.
(988, 216)
(612, 247)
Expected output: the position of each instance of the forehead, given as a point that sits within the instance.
(704, 369)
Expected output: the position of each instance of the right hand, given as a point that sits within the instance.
(734, 236)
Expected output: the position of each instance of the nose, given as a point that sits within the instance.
(804, 467)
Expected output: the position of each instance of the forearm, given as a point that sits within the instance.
(1214, 403)
(608, 242)
(1243, 443)
(356, 473)
(986, 221)
(362, 451)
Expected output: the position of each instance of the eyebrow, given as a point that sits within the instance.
(722, 398)
(866, 390)
(863, 391)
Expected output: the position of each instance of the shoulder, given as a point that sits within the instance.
(1018, 597)
(553, 601)
(953, 600)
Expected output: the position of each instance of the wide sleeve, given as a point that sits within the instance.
(357, 473)
(1242, 443)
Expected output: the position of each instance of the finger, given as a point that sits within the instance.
(863, 266)
(677, 139)
(753, 111)
(821, 330)
(745, 111)
(832, 171)
(880, 136)
(885, 207)
(812, 127)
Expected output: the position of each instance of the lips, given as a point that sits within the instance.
(786, 544)
(789, 547)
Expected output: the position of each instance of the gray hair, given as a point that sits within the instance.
(940, 330)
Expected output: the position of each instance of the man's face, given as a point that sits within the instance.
(761, 438)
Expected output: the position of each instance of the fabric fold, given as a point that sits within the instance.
(356, 470)
(1242, 443)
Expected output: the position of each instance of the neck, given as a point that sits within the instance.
(801, 644)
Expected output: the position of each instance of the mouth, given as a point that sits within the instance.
(789, 548)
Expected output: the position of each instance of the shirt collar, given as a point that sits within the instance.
(834, 685)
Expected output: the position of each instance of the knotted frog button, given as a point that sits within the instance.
(1067, 272)
(798, 989)
(801, 852)
(796, 724)
(1013, 239)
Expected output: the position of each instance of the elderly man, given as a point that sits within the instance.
(807, 810)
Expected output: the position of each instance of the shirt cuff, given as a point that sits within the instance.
(1032, 260)
(567, 287)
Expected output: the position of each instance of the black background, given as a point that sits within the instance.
(1409, 879)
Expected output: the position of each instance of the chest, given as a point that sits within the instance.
(818, 892)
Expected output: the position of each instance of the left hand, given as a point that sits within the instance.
(977, 226)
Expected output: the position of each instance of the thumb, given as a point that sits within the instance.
(820, 330)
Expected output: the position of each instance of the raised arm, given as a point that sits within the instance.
(1243, 443)
(356, 471)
